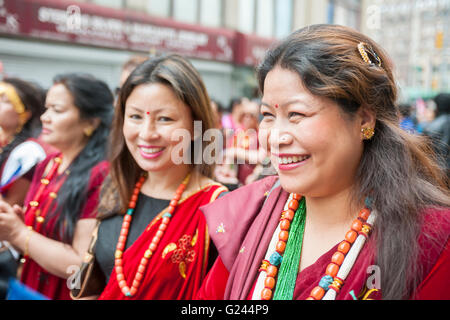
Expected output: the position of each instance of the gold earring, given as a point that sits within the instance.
(367, 133)
(88, 131)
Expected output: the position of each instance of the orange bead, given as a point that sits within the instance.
(280, 247)
(118, 262)
(272, 271)
(136, 283)
(283, 235)
(293, 204)
(266, 294)
(344, 247)
(122, 284)
(317, 293)
(173, 203)
(332, 270)
(141, 269)
(125, 290)
(132, 204)
(338, 258)
(120, 246)
(285, 224)
(159, 234)
(310, 298)
(133, 291)
(119, 270)
(289, 214)
(127, 218)
(364, 214)
(124, 232)
(296, 196)
(153, 246)
(350, 236)
(134, 197)
(144, 262)
(269, 283)
(122, 239)
(165, 220)
(162, 227)
(356, 225)
(120, 277)
(139, 276)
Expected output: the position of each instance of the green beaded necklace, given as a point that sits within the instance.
(288, 272)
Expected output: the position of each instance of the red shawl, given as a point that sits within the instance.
(247, 227)
(178, 266)
(33, 275)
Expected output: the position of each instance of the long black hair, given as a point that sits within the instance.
(32, 97)
(94, 99)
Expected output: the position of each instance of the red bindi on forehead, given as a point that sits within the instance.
(276, 106)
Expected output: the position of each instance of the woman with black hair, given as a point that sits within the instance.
(61, 203)
(21, 105)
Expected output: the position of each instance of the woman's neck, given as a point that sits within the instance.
(333, 211)
(68, 156)
(163, 184)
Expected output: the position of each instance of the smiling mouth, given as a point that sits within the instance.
(151, 150)
(291, 159)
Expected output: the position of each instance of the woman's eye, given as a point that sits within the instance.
(295, 114)
(164, 119)
(134, 116)
(267, 114)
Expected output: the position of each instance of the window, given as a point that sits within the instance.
(186, 10)
(211, 13)
(265, 18)
(160, 8)
(283, 17)
(246, 16)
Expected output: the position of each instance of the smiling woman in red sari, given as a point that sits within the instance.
(156, 243)
(359, 208)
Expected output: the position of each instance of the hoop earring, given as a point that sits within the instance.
(367, 133)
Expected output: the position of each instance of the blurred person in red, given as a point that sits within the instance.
(53, 231)
(21, 105)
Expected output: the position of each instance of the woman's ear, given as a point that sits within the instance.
(367, 118)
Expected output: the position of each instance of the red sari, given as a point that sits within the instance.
(33, 275)
(247, 224)
(178, 266)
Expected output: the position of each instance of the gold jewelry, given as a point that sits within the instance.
(367, 133)
(88, 131)
(11, 93)
(27, 241)
(363, 49)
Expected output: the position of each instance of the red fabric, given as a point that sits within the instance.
(213, 287)
(242, 247)
(32, 274)
(436, 285)
(178, 266)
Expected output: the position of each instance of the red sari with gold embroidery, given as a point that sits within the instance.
(178, 266)
(33, 275)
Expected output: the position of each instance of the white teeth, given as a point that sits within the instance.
(151, 150)
(293, 159)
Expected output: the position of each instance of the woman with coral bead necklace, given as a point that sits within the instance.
(156, 243)
(358, 210)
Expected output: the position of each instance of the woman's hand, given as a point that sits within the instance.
(11, 222)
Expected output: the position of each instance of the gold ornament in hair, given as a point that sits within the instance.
(367, 133)
(364, 50)
(13, 97)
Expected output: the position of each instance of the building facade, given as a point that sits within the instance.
(416, 35)
(224, 39)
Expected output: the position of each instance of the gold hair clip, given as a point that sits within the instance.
(365, 50)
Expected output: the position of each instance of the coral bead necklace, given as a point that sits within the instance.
(336, 272)
(118, 264)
